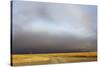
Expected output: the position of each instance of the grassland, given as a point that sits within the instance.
(52, 58)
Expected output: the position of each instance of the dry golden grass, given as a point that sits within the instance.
(34, 59)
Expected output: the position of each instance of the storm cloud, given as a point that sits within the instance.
(41, 27)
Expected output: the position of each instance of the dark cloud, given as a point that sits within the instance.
(48, 27)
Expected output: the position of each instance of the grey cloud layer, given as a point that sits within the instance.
(48, 27)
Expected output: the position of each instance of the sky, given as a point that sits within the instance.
(42, 27)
